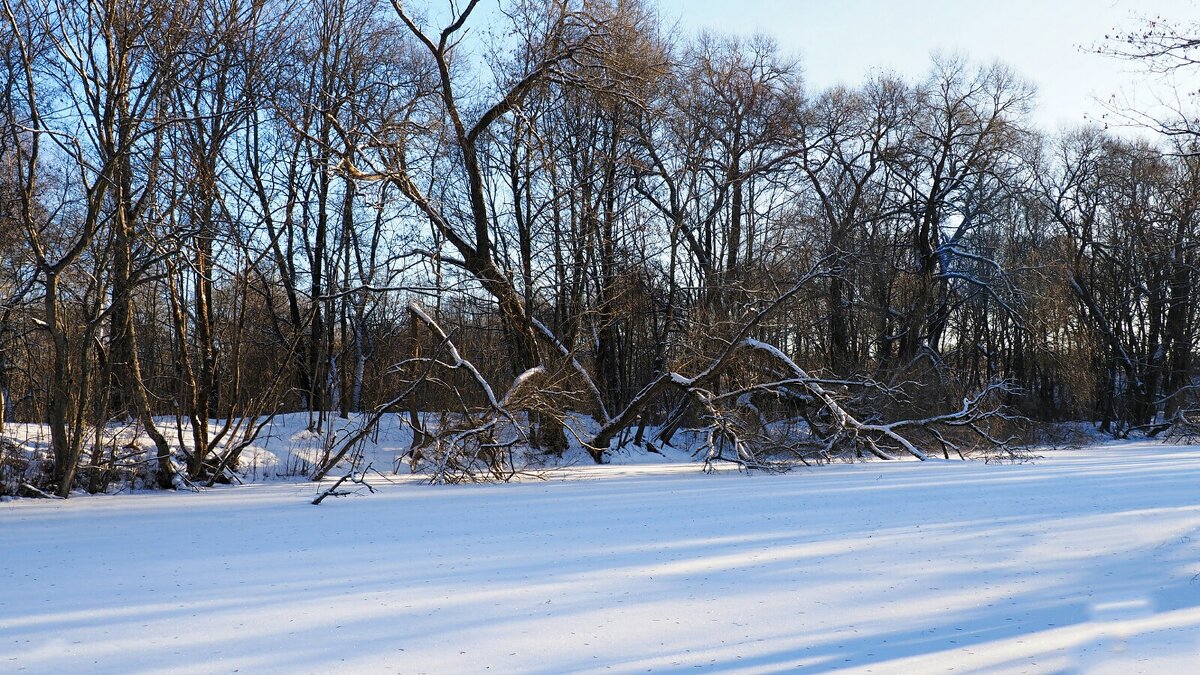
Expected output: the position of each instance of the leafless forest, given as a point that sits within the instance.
(497, 224)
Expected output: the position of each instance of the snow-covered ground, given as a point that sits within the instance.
(1085, 560)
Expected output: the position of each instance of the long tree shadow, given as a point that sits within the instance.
(882, 565)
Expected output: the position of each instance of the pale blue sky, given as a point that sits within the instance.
(843, 40)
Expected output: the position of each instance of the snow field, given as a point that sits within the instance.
(1083, 561)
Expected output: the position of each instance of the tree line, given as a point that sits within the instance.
(497, 222)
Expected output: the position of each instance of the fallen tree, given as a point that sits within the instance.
(734, 421)
(755, 406)
(475, 442)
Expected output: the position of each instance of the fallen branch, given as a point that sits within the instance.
(35, 492)
(355, 478)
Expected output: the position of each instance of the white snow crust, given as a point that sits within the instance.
(1081, 561)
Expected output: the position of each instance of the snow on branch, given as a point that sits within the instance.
(827, 418)
(336, 490)
(588, 380)
(474, 445)
(459, 362)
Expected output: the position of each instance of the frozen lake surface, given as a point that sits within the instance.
(1084, 560)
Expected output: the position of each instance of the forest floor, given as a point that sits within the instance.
(1078, 561)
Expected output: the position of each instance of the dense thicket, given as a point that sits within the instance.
(223, 209)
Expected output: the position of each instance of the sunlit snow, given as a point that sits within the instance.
(1084, 560)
